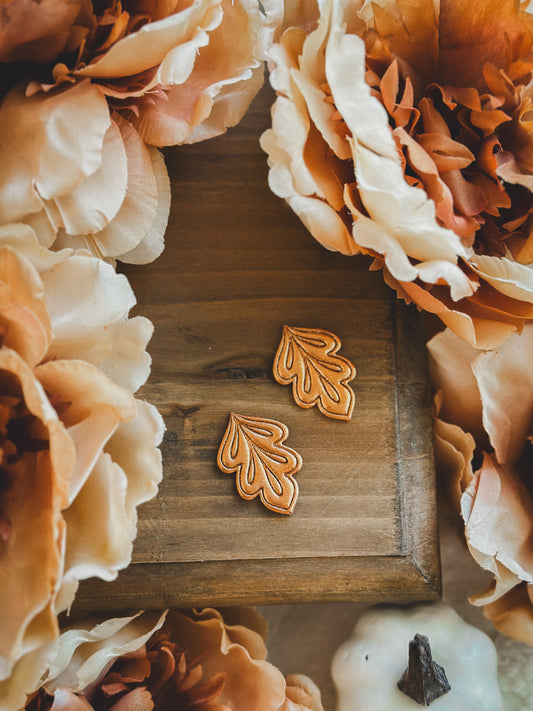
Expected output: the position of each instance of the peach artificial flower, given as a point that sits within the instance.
(512, 613)
(197, 660)
(403, 130)
(79, 451)
(454, 451)
(485, 399)
(88, 92)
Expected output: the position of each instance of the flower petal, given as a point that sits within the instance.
(67, 503)
(67, 701)
(99, 542)
(508, 277)
(23, 239)
(450, 366)
(403, 210)
(435, 187)
(232, 56)
(49, 144)
(454, 451)
(228, 102)
(134, 447)
(25, 677)
(35, 31)
(480, 327)
(476, 33)
(96, 406)
(25, 317)
(506, 386)
(512, 613)
(118, 349)
(84, 294)
(498, 514)
(149, 46)
(89, 304)
(137, 210)
(290, 178)
(86, 650)
(248, 679)
(31, 560)
(324, 223)
(153, 242)
(89, 206)
(302, 693)
(101, 517)
(289, 173)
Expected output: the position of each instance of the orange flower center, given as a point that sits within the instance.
(20, 433)
(453, 141)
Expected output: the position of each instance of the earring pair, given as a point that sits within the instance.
(253, 447)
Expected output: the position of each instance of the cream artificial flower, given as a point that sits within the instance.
(490, 394)
(79, 451)
(81, 176)
(99, 88)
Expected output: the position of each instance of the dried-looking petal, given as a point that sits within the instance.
(506, 387)
(498, 514)
(454, 451)
(512, 613)
(451, 372)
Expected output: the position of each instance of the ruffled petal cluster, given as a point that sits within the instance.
(79, 175)
(490, 395)
(79, 451)
(401, 130)
(176, 660)
(87, 93)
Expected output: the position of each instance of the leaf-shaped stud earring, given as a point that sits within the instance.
(253, 448)
(307, 358)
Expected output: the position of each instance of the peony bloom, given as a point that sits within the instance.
(87, 92)
(403, 130)
(193, 660)
(490, 395)
(79, 451)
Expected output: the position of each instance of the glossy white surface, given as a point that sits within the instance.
(304, 638)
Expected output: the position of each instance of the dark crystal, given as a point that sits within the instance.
(424, 680)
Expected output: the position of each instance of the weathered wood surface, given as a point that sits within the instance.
(238, 265)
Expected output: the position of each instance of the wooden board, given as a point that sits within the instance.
(238, 264)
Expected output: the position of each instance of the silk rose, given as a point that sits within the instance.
(402, 130)
(79, 451)
(88, 91)
(179, 660)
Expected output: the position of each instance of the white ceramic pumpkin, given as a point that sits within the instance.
(368, 666)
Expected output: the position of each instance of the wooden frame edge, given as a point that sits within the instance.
(416, 464)
(283, 581)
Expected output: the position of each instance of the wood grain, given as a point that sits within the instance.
(237, 266)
